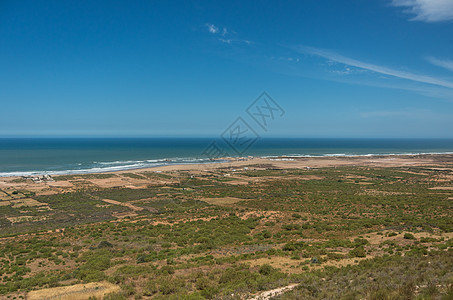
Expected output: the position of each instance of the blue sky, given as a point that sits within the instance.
(376, 68)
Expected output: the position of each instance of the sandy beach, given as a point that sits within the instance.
(439, 160)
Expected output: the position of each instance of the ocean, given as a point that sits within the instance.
(33, 156)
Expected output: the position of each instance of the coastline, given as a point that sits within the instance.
(286, 162)
(229, 171)
(281, 162)
(34, 157)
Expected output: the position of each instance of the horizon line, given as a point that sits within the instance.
(215, 137)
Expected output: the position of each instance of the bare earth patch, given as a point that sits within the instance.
(75, 292)
(128, 205)
(273, 293)
(26, 202)
(237, 182)
(226, 201)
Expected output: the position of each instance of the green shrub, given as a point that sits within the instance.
(150, 288)
(168, 285)
(360, 242)
(104, 244)
(167, 270)
(335, 256)
(358, 252)
(292, 246)
(266, 270)
(202, 283)
(409, 236)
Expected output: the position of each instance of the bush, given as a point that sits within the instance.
(361, 242)
(357, 252)
(167, 270)
(104, 244)
(210, 292)
(266, 270)
(293, 246)
(89, 275)
(409, 236)
(115, 296)
(95, 262)
(150, 288)
(335, 256)
(267, 234)
(168, 285)
(202, 283)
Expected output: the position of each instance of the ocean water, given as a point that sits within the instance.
(89, 155)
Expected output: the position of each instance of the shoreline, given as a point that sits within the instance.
(283, 161)
(97, 167)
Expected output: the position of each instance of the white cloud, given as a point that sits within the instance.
(226, 36)
(375, 68)
(212, 28)
(227, 41)
(427, 10)
(443, 63)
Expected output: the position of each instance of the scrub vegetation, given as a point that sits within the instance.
(345, 232)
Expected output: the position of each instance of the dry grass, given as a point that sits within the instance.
(26, 202)
(285, 264)
(75, 292)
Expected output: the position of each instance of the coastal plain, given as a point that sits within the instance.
(368, 227)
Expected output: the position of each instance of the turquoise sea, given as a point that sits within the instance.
(30, 156)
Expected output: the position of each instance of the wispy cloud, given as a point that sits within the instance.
(443, 63)
(228, 41)
(224, 35)
(212, 28)
(427, 10)
(332, 56)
